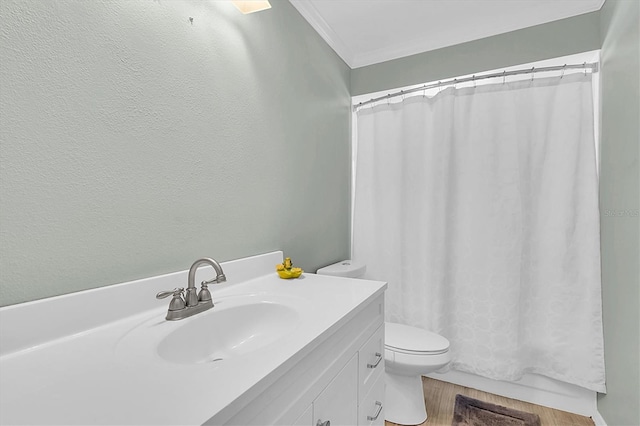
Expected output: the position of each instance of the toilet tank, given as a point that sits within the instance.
(344, 268)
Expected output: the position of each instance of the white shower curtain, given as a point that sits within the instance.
(479, 206)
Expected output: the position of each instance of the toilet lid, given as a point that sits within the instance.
(407, 339)
(346, 268)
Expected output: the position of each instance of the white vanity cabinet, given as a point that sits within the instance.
(295, 351)
(338, 402)
(305, 418)
(371, 380)
(339, 380)
(371, 406)
(355, 396)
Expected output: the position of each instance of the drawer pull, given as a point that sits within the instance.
(378, 359)
(321, 423)
(375, 417)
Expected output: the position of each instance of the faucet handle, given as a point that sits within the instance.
(217, 280)
(175, 292)
(177, 303)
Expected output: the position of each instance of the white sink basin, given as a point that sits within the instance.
(237, 326)
(224, 333)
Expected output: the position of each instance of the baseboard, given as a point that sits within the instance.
(535, 389)
(598, 419)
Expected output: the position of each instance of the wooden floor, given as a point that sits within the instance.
(440, 398)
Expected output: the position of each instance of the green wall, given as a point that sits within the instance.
(619, 204)
(133, 142)
(564, 37)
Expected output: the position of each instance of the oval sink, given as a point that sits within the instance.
(220, 333)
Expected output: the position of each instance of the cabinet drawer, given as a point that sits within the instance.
(371, 361)
(371, 407)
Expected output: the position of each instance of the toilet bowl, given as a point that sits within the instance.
(409, 352)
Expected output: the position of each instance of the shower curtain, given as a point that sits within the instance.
(479, 207)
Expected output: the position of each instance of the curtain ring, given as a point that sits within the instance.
(563, 68)
(439, 86)
(455, 81)
(424, 91)
(504, 76)
(402, 95)
(389, 99)
(474, 81)
(532, 73)
(585, 69)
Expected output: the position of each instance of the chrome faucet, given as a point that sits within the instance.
(184, 305)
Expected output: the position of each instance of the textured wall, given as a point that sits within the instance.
(559, 38)
(619, 204)
(134, 142)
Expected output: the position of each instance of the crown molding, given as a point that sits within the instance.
(409, 47)
(312, 16)
(422, 45)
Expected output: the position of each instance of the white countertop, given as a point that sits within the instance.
(102, 376)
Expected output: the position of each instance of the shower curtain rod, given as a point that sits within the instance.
(592, 66)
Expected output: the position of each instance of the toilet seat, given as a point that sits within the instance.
(417, 353)
(410, 365)
(409, 340)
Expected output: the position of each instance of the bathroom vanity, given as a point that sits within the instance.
(271, 351)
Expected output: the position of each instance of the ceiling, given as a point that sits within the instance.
(365, 32)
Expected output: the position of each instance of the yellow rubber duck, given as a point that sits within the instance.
(286, 270)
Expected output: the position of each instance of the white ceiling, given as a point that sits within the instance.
(365, 32)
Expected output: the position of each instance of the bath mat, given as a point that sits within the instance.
(471, 412)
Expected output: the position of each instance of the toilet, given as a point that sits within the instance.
(409, 353)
